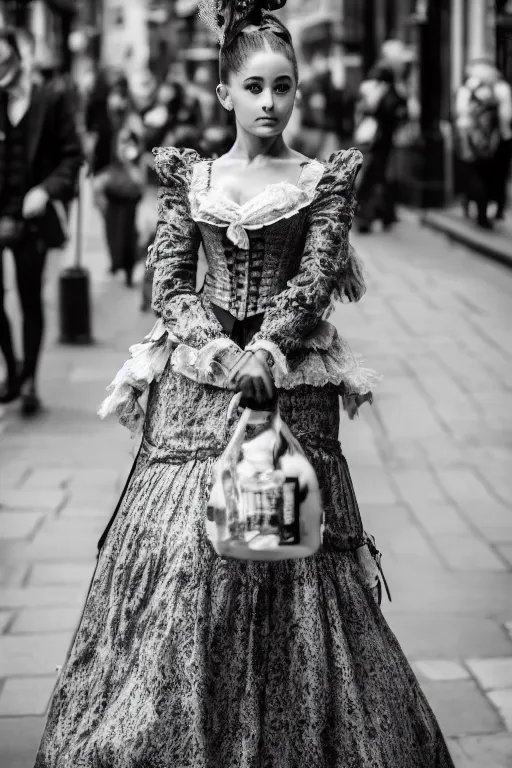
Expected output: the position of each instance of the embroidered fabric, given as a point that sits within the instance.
(183, 658)
(293, 325)
(174, 254)
(325, 263)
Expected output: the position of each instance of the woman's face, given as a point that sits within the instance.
(263, 93)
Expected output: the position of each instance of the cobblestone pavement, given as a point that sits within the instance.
(430, 462)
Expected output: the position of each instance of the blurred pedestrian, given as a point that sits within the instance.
(119, 175)
(477, 131)
(177, 120)
(503, 158)
(400, 58)
(379, 112)
(40, 157)
(173, 115)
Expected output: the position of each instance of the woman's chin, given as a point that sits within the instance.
(267, 129)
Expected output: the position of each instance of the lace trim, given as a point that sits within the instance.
(325, 358)
(146, 364)
(278, 201)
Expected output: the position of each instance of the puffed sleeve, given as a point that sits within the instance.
(174, 254)
(328, 270)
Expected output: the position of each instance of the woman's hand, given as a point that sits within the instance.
(254, 379)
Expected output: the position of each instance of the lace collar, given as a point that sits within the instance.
(277, 201)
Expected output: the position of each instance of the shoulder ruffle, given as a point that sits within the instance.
(339, 178)
(174, 164)
(343, 166)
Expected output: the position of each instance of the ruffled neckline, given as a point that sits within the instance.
(280, 200)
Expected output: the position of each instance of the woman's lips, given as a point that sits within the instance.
(268, 119)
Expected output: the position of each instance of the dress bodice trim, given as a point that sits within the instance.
(277, 201)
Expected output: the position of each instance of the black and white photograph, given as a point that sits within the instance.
(255, 384)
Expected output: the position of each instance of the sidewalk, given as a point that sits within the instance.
(495, 244)
(430, 463)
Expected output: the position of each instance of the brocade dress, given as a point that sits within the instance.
(184, 659)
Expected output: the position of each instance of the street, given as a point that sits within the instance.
(430, 463)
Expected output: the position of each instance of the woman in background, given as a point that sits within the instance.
(380, 110)
(118, 168)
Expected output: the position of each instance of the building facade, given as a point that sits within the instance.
(444, 35)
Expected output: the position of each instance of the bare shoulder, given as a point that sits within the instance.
(299, 157)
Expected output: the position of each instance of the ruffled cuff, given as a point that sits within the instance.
(145, 365)
(325, 358)
(212, 364)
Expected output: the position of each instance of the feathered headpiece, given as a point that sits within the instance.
(228, 18)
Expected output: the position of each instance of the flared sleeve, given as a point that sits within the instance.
(187, 332)
(329, 269)
(174, 254)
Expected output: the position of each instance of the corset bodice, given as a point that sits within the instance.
(252, 250)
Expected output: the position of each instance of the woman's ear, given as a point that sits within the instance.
(224, 97)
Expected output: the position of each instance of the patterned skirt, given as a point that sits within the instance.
(183, 659)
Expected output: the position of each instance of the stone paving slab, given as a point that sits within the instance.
(439, 518)
(26, 695)
(44, 620)
(502, 700)
(60, 573)
(440, 670)
(26, 597)
(47, 479)
(19, 741)
(17, 525)
(493, 751)
(461, 709)
(466, 552)
(22, 499)
(468, 593)
(456, 636)
(492, 673)
(32, 654)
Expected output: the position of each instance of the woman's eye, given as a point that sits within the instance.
(283, 88)
(254, 88)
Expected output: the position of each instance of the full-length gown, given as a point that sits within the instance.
(183, 659)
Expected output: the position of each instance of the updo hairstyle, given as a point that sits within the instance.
(245, 27)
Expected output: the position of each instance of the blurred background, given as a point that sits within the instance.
(423, 88)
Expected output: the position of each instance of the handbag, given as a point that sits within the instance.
(265, 500)
(121, 180)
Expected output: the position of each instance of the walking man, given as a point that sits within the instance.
(40, 157)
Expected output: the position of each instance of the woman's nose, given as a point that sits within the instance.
(268, 100)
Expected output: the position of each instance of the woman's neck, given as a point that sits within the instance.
(248, 147)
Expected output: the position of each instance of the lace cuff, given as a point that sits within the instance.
(212, 364)
(146, 364)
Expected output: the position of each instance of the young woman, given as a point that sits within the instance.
(183, 658)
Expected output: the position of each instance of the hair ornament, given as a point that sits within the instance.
(228, 18)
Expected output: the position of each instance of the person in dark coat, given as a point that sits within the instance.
(383, 109)
(40, 158)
